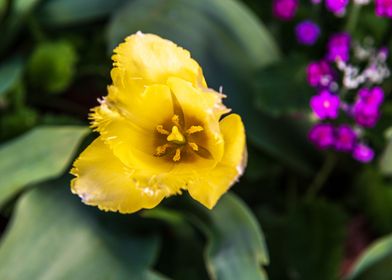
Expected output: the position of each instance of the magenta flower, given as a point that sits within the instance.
(372, 97)
(363, 153)
(338, 47)
(345, 138)
(319, 74)
(325, 105)
(365, 115)
(284, 9)
(384, 8)
(321, 135)
(336, 6)
(307, 32)
(366, 110)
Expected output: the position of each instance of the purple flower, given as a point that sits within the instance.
(319, 74)
(365, 115)
(363, 153)
(383, 53)
(307, 32)
(345, 138)
(336, 6)
(325, 105)
(372, 97)
(338, 47)
(321, 135)
(284, 9)
(366, 110)
(384, 8)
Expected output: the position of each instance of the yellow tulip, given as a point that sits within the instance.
(161, 130)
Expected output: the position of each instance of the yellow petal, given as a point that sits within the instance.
(193, 99)
(198, 109)
(208, 187)
(102, 180)
(150, 107)
(153, 59)
(129, 130)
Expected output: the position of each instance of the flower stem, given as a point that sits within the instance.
(353, 18)
(322, 176)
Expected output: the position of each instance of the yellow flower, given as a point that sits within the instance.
(162, 131)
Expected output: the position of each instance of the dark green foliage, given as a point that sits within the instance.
(375, 194)
(281, 89)
(305, 242)
(55, 63)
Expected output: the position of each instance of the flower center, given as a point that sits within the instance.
(177, 140)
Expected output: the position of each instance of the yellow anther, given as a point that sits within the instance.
(175, 136)
(161, 130)
(176, 120)
(161, 149)
(193, 146)
(177, 156)
(194, 129)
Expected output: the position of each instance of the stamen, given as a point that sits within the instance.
(177, 156)
(176, 136)
(161, 150)
(176, 120)
(194, 129)
(193, 146)
(161, 130)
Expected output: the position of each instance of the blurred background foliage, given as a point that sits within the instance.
(54, 64)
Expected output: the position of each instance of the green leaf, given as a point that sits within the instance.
(19, 11)
(375, 199)
(225, 26)
(230, 43)
(175, 259)
(3, 8)
(236, 247)
(386, 158)
(235, 243)
(54, 236)
(38, 155)
(276, 97)
(10, 73)
(307, 243)
(17, 122)
(375, 263)
(67, 12)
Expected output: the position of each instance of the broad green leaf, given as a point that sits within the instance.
(235, 243)
(3, 8)
(307, 243)
(10, 73)
(230, 43)
(38, 155)
(375, 263)
(278, 98)
(236, 247)
(386, 158)
(17, 122)
(216, 31)
(67, 12)
(52, 235)
(19, 11)
(375, 199)
(175, 257)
